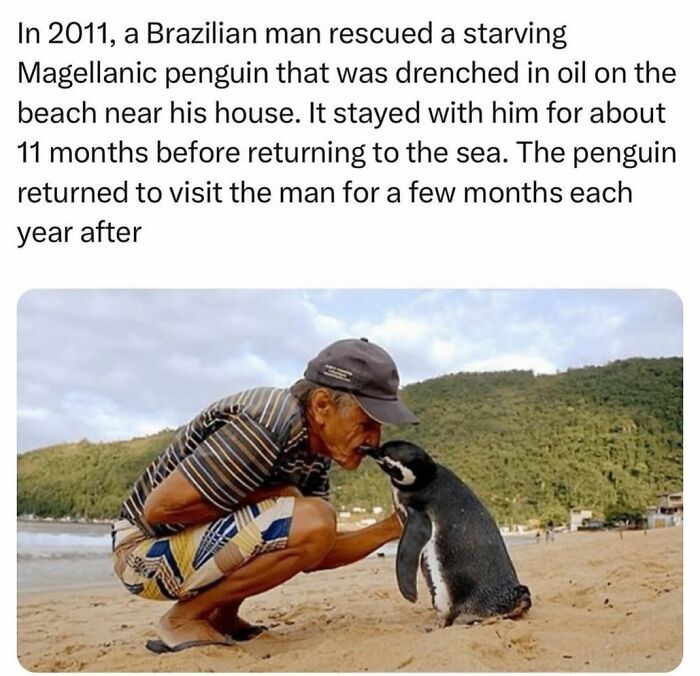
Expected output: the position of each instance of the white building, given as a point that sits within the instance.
(577, 517)
(667, 512)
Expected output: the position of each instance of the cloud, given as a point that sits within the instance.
(37, 413)
(105, 364)
(447, 332)
(112, 364)
(513, 362)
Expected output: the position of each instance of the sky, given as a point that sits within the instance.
(114, 364)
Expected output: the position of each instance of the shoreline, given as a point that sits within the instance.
(61, 555)
(26, 518)
(353, 522)
(601, 602)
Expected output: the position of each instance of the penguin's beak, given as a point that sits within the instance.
(371, 451)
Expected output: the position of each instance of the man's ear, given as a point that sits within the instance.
(321, 405)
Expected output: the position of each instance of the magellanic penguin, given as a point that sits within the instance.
(454, 538)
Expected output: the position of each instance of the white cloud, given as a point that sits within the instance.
(248, 370)
(99, 413)
(115, 364)
(36, 413)
(512, 362)
(185, 364)
(396, 328)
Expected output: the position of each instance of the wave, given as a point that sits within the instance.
(64, 556)
(41, 546)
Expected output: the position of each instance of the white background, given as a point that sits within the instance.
(650, 244)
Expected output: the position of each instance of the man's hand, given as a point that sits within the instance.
(396, 523)
(355, 545)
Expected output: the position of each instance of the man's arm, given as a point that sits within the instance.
(176, 500)
(351, 547)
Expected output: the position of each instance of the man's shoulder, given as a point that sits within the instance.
(275, 408)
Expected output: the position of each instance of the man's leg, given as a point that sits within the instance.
(311, 535)
(347, 548)
(226, 620)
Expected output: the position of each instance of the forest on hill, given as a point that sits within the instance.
(532, 447)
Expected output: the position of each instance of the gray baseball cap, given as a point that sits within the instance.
(365, 370)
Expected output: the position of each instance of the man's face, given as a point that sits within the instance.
(347, 428)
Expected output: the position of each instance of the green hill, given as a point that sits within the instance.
(530, 446)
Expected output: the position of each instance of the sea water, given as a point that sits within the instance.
(64, 555)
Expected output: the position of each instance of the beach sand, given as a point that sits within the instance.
(600, 603)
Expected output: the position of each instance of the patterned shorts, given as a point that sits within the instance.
(181, 565)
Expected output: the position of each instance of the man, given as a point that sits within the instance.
(236, 505)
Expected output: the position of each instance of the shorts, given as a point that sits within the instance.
(175, 567)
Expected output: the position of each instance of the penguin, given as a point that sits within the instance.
(452, 536)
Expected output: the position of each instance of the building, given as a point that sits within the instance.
(667, 512)
(577, 517)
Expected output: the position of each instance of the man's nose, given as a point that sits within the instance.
(374, 436)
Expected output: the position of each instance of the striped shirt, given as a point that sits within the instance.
(254, 439)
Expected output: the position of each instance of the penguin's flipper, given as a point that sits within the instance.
(416, 534)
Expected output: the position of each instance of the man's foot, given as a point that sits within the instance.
(176, 628)
(158, 646)
(226, 621)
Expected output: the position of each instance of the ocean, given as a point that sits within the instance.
(58, 554)
(64, 555)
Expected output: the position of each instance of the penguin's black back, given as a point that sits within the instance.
(474, 560)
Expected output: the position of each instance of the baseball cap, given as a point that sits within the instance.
(367, 371)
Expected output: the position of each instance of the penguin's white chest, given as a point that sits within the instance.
(434, 574)
(400, 508)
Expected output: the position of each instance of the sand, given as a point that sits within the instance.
(601, 603)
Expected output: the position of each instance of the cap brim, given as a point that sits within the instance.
(387, 411)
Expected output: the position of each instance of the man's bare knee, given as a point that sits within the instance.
(313, 529)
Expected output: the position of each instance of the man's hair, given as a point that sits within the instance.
(304, 389)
